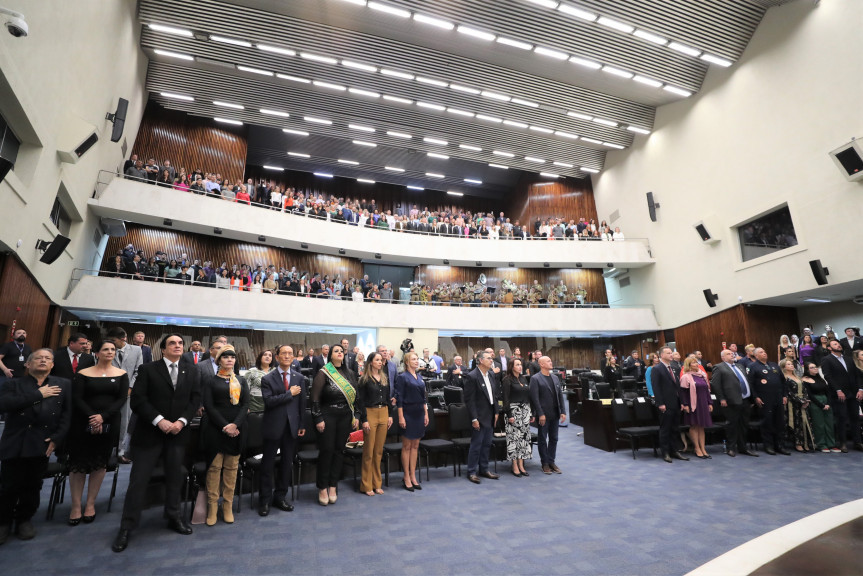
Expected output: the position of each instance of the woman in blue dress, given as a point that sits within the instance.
(410, 392)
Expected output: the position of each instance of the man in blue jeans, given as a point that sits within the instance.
(546, 398)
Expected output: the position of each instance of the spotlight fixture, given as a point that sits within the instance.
(168, 222)
(378, 256)
(262, 238)
(545, 265)
(479, 263)
(304, 246)
(342, 251)
(579, 265)
(610, 264)
(217, 231)
(446, 262)
(512, 264)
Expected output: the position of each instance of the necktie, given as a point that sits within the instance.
(74, 363)
(174, 374)
(196, 357)
(120, 356)
(285, 380)
(744, 387)
(671, 372)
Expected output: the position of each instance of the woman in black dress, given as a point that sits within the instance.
(516, 406)
(98, 394)
(226, 405)
(334, 393)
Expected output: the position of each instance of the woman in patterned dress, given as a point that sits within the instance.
(516, 405)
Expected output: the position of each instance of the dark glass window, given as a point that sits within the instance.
(767, 234)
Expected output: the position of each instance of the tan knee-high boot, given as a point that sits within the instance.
(229, 482)
(213, 474)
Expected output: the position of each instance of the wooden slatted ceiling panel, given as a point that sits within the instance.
(191, 142)
(540, 199)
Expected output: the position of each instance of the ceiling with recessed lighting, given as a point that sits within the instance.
(451, 94)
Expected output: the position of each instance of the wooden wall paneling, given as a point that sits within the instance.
(765, 324)
(537, 199)
(191, 142)
(23, 302)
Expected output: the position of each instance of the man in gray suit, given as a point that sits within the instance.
(729, 384)
(129, 358)
(207, 366)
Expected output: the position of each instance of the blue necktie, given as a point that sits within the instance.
(744, 387)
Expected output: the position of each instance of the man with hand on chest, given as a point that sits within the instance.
(768, 386)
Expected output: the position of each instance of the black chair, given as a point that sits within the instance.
(251, 456)
(435, 384)
(392, 449)
(627, 388)
(625, 426)
(453, 395)
(436, 445)
(58, 472)
(603, 390)
(354, 456)
(113, 466)
(309, 453)
(716, 433)
(460, 424)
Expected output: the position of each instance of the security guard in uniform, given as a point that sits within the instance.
(768, 388)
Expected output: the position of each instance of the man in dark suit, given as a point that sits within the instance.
(207, 364)
(546, 399)
(284, 394)
(195, 353)
(39, 409)
(389, 368)
(768, 387)
(666, 387)
(633, 366)
(134, 268)
(350, 357)
(222, 339)
(308, 359)
(839, 372)
(71, 358)
(850, 343)
(319, 362)
(532, 366)
(480, 396)
(166, 396)
(146, 351)
(456, 375)
(731, 388)
(707, 366)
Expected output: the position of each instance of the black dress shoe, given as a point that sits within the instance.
(406, 487)
(25, 530)
(489, 475)
(708, 456)
(88, 519)
(179, 526)
(284, 505)
(750, 453)
(784, 452)
(679, 456)
(525, 473)
(474, 478)
(73, 521)
(516, 474)
(263, 508)
(770, 451)
(858, 446)
(732, 453)
(667, 458)
(121, 541)
(417, 486)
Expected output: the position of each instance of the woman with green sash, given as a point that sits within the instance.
(334, 393)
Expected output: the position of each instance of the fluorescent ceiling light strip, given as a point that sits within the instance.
(273, 168)
(430, 105)
(228, 121)
(454, 193)
(365, 143)
(545, 3)
(648, 81)
(460, 112)
(473, 181)
(171, 30)
(397, 99)
(501, 166)
(170, 54)
(593, 65)
(650, 37)
(487, 118)
(525, 102)
(323, 174)
(678, 91)
(361, 128)
(275, 50)
(431, 81)
(315, 120)
(591, 140)
(515, 124)
(351, 162)
(563, 164)
(438, 156)
(504, 154)
(434, 175)
(496, 96)
(368, 93)
(254, 70)
(534, 159)
(613, 145)
(563, 134)
(394, 168)
(541, 129)
(435, 141)
(232, 41)
(577, 12)
(228, 105)
(329, 86)
(177, 96)
(465, 89)
(549, 175)
(716, 60)
(359, 66)
(637, 130)
(381, 7)
(514, 43)
(296, 132)
(580, 116)
(617, 72)
(684, 49)
(469, 147)
(556, 54)
(591, 170)
(275, 113)
(481, 34)
(605, 122)
(437, 22)
(616, 25)
(293, 78)
(396, 74)
(365, 181)
(399, 135)
(318, 58)
(299, 154)
(415, 188)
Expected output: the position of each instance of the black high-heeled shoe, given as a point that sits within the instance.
(88, 519)
(73, 521)
(406, 487)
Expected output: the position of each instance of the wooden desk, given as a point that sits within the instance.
(598, 425)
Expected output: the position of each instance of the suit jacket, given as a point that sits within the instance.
(190, 356)
(131, 269)
(726, 386)
(542, 397)
(351, 361)
(318, 362)
(154, 395)
(307, 361)
(30, 418)
(456, 379)
(204, 367)
(63, 365)
(280, 407)
(848, 350)
(838, 377)
(773, 390)
(480, 406)
(146, 354)
(133, 358)
(630, 369)
(665, 387)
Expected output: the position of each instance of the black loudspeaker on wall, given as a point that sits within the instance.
(119, 119)
(669, 335)
(711, 298)
(52, 249)
(8, 150)
(819, 271)
(652, 206)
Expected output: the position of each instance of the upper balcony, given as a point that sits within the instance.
(155, 206)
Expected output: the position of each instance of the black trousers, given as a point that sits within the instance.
(171, 451)
(669, 430)
(773, 425)
(846, 414)
(331, 444)
(737, 428)
(285, 445)
(20, 485)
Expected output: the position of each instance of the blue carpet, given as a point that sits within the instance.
(607, 514)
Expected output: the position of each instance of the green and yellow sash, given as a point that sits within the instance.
(344, 385)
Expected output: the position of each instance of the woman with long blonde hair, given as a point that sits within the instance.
(696, 404)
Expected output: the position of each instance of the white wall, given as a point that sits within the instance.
(756, 136)
(78, 59)
(839, 315)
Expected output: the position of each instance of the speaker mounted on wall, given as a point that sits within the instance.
(820, 272)
(849, 159)
(652, 205)
(703, 229)
(118, 118)
(710, 297)
(52, 250)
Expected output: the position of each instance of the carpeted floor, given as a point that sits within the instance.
(607, 514)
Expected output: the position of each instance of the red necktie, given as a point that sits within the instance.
(196, 357)
(74, 363)
(671, 371)
(285, 380)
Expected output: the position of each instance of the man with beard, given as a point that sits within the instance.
(14, 354)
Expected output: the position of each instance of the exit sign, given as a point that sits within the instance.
(72, 322)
